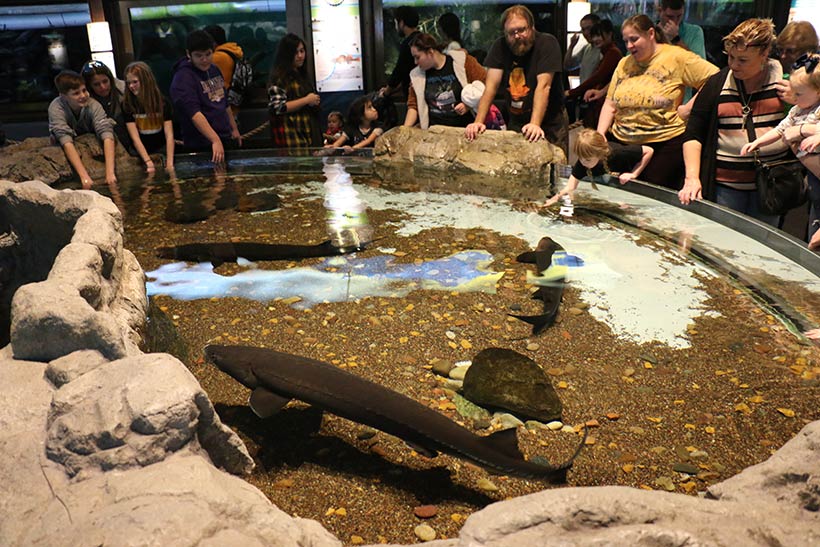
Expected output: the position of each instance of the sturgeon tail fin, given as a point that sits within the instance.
(538, 322)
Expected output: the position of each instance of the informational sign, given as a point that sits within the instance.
(337, 45)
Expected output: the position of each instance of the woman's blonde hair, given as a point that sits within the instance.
(751, 33)
(800, 35)
(801, 75)
(591, 145)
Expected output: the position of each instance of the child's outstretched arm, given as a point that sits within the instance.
(571, 186)
(646, 157)
(74, 159)
(370, 138)
(141, 151)
(168, 129)
(767, 138)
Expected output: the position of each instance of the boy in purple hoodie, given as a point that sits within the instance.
(198, 94)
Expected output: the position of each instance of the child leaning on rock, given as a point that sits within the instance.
(75, 113)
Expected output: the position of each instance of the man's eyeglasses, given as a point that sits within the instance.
(513, 32)
(807, 61)
(91, 66)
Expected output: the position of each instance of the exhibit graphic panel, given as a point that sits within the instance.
(337, 45)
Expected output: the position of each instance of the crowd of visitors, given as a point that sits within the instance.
(763, 106)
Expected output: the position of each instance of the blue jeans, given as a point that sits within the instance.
(814, 202)
(743, 201)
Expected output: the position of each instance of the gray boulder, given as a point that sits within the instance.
(135, 412)
(505, 379)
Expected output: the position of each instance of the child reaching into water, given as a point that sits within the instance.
(802, 125)
(597, 157)
(335, 123)
(362, 127)
(148, 115)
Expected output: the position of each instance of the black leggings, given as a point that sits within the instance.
(666, 168)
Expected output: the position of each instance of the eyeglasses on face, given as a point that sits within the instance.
(514, 32)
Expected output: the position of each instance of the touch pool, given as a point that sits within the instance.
(675, 340)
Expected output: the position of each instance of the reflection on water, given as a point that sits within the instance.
(338, 279)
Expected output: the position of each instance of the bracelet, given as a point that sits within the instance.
(149, 160)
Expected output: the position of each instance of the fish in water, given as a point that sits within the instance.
(275, 378)
(550, 281)
(229, 251)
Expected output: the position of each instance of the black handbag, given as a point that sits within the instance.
(781, 184)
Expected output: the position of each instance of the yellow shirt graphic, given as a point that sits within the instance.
(647, 95)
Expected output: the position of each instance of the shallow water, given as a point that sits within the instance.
(673, 333)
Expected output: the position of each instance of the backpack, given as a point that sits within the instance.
(241, 80)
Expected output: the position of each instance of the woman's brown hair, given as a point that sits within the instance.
(642, 23)
(424, 42)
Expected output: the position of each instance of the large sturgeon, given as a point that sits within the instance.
(276, 378)
(228, 251)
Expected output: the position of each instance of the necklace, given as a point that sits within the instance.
(744, 100)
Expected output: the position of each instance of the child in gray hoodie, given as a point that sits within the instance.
(75, 113)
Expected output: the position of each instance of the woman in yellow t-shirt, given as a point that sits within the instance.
(643, 105)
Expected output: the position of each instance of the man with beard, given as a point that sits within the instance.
(526, 63)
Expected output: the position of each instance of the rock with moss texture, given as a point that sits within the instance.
(505, 379)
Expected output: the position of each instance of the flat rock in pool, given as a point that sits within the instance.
(505, 379)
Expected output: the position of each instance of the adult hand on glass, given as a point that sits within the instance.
(149, 166)
(111, 178)
(473, 130)
(313, 99)
(532, 132)
(87, 183)
(691, 191)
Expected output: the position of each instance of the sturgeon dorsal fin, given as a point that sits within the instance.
(504, 441)
(266, 403)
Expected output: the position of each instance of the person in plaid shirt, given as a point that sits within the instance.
(293, 102)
